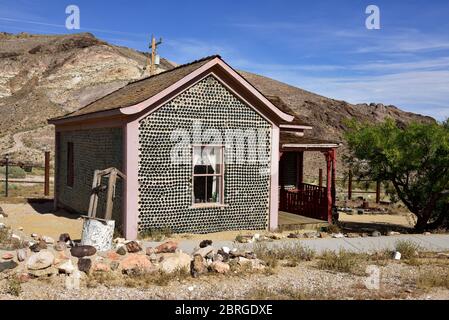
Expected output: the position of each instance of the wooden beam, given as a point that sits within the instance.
(350, 185)
(47, 174)
(320, 178)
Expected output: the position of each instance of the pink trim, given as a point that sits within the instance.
(142, 105)
(86, 125)
(84, 117)
(274, 180)
(130, 165)
(295, 126)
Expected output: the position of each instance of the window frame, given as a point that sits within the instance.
(70, 178)
(220, 202)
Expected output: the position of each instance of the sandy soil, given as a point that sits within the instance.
(399, 220)
(40, 219)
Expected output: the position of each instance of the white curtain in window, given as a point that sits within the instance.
(211, 157)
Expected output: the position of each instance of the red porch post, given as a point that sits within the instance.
(331, 162)
(329, 185)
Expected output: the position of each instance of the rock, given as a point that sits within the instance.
(338, 235)
(60, 246)
(198, 266)
(250, 255)
(220, 267)
(101, 267)
(427, 233)
(34, 235)
(353, 235)
(115, 265)
(226, 250)
(276, 236)
(121, 250)
(23, 277)
(149, 251)
(376, 234)
(153, 257)
(3, 213)
(204, 251)
(48, 240)
(112, 255)
(364, 235)
(397, 255)
(360, 211)
(72, 282)
(2, 225)
(7, 256)
(133, 247)
(294, 235)
(40, 273)
(136, 263)
(253, 263)
(40, 260)
(205, 243)
(20, 228)
(177, 261)
(311, 235)
(84, 265)
(64, 237)
(66, 267)
(21, 255)
(224, 255)
(324, 235)
(8, 265)
(83, 251)
(443, 255)
(119, 241)
(41, 245)
(393, 233)
(167, 247)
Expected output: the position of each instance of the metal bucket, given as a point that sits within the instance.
(98, 233)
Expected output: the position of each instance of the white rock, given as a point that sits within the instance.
(40, 260)
(2, 225)
(48, 240)
(338, 235)
(34, 235)
(175, 262)
(204, 251)
(21, 255)
(226, 249)
(67, 267)
(72, 282)
(15, 236)
(20, 228)
(397, 255)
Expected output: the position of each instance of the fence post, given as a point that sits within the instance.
(47, 174)
(349, 185)
(378, 192)
(6, 174)
(320, 178)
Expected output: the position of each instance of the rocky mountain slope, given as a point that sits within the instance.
(45, 76)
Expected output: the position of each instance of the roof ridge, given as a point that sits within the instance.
(176, 68)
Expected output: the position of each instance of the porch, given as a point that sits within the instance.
(300, 199)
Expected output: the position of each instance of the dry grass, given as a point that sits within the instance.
(408, 249)
(156, 234)
(433, 279)
(13, 286)
(343, 261)
(292, 253)
(281, 294)
(137, 279)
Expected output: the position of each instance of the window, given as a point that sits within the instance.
(208, 173)
(70, 165)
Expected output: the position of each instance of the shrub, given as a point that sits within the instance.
(433, 279)
(344, 261)
(294, 253)
(156, 234)
(13, 286)
(14, 172)
(408, 249)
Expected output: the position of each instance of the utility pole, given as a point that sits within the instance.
(6, 174)
(153, 47)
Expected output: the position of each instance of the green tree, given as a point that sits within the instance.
(414, 159)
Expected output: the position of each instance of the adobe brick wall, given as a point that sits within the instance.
(95, 149)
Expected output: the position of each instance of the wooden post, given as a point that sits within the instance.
(334, 173)
(47, 174)
(377, 192)
(349, 185)
(320, 178)
(6, 174)
(110, 195)
(329, 186)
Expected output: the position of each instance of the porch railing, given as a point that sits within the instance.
(309, 201)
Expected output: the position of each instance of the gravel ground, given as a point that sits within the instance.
(306, 281)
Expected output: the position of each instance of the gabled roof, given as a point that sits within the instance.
(140, 90)
(139, 95)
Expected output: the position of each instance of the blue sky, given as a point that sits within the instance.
(321, 45)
